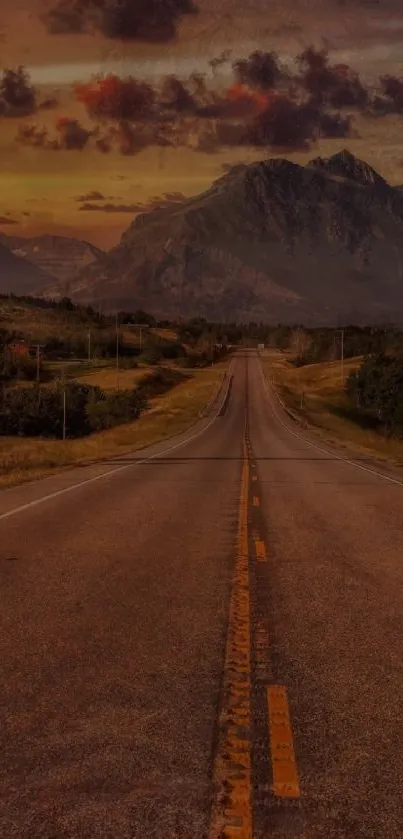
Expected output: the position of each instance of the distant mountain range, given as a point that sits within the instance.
(19, 276)
(271, 241)
(59, 257)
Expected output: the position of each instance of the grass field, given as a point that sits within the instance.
(316, 393)
(109, 378)
(24, 459)
(38, 324)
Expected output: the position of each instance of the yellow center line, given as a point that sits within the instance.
(254, 477)
(255, 501)
(232, 804)
(260, 550)
(285, 773)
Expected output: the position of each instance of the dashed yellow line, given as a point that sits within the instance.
(262, 656)
(285, 773)
(260, 550)
(232, 805)
(256, 501)
(254, 477)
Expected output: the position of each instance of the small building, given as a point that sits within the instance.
(18, 349)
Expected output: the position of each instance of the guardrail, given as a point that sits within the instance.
(299, 420)
(204, 411)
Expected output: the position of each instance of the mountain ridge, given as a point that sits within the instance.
(19, 275)
(271, 240)
(59, 256)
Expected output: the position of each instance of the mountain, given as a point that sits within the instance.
(19, 276)
(271, 241)
(59, 256)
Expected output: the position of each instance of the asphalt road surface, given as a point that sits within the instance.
(206, 641)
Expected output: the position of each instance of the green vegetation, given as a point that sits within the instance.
(26, 458)
(75, 334)
(376, 392)
(158, 388)
(74, 409)
(357, 406)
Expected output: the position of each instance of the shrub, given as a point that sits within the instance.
(19, 368)
(377, 388)
(127, 362)
(38, 411)
(115, 408)
(152, 355)
(173, 350)
(159, 381)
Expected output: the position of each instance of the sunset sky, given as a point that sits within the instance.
(155, 139)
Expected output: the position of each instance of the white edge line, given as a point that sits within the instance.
(58, 492)
(313, 445)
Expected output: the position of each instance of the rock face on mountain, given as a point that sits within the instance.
(19, 276)
(59, 256)
(271, 241)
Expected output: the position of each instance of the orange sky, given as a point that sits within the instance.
(41, 188)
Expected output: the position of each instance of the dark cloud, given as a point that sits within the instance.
(17, 95)
(111, 208)
(222, 59)
(48, 104)
(175, 96)
(392, 88)
(335, 85)
(114, 98)
(260, 70)
(33, 135)
(167, 200)
(70, 136)
(124, 137)
(287, 124)
(142, 20)
(239, 101)
(94, 195)
(103, 145)
(128, 139)
(282, 124)
(8, 220)
(334, 125)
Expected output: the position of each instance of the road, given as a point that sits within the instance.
(205, 641)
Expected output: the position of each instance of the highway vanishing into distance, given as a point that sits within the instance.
(205, 640)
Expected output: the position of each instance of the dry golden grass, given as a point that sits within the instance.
(110, 379)
(167, 334)
(23, 459)
(325, 407)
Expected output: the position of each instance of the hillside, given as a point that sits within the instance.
(271, 241)
(19, 276)
(59, 256)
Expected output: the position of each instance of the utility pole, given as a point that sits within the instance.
(140, 327)
(38, 376)
(37, 363)
(64, 412)
(342, 356)
(117, 351)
